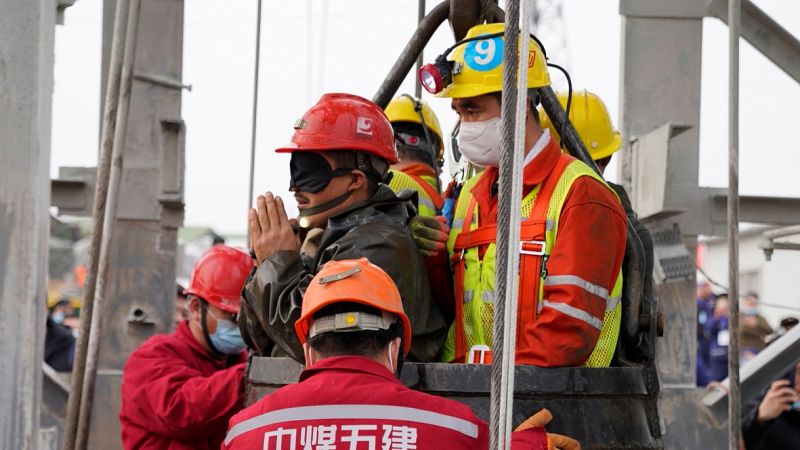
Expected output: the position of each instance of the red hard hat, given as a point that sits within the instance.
(344, 122)
(219, 277)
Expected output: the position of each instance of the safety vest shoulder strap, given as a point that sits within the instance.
(434, 195)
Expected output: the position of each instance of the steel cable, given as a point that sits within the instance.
(507, 228)
(114, 177)
(101, 190)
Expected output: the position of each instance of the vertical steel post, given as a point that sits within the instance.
(256, 70)
(417, 84)
(27, 30)
(734, 417)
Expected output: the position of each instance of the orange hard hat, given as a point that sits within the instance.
(344, 122)
(219, 277)
(352, 281)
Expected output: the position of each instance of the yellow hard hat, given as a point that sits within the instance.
(404, 109)
(590, 118)
(478, 67)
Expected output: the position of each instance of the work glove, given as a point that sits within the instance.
(430, 234)
(554, 441)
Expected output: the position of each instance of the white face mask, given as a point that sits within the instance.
(479, 142)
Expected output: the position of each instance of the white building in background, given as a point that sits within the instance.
(777, 281)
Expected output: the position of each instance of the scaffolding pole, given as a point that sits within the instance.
(734, 407)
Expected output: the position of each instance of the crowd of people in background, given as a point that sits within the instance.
(772, 420)
(755, 333)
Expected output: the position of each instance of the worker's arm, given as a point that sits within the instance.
(170, 398)
(581, 272)
(273, 299)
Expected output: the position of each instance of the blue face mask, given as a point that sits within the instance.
(750, 311)
(227, 340)
(58, 317)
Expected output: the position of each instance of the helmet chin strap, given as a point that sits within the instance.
(203, 309)
(305, 214)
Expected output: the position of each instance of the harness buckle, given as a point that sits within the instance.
(525, 249)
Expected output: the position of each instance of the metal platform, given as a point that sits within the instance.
(611, 408)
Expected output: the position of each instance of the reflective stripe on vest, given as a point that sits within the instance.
(473, 256)
(429, 200)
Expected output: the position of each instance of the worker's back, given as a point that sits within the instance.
(345, 400)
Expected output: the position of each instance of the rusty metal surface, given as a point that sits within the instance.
(612, 408)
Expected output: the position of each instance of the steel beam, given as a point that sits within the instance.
(660, 81)
(27, 32)
(765, 34)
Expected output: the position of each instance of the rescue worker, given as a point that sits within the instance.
(340, 156)
(589, 115)
(420, 150)
(354, 333)
(179, 390)
(572, 238)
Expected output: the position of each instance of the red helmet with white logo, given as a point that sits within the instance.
(344, 122)
(219, 277)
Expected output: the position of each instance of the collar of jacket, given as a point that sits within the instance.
(184, 333)
(384, 206)
(348, 364)
(420, 170)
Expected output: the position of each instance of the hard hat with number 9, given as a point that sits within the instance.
(352, 281)
(591, 120)
(344, 122)
(219, 277)
(478, 67)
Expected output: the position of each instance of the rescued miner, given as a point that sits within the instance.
(340, 156)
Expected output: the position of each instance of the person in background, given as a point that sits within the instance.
(59, 346)
(705, 310)
(772, 422)
(717, 368)
(753, 328)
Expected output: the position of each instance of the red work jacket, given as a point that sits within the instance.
(351, 402)
(582, 267)
(176, 395)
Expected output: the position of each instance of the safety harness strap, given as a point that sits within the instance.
(434, 195)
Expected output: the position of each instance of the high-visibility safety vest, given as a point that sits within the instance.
(474, 272)
(430, 200)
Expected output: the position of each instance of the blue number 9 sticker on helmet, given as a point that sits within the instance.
(485, 54)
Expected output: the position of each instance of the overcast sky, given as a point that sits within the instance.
(352, 51)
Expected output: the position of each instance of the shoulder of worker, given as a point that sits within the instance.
(588, 191)
(166, 349)
(338, 383)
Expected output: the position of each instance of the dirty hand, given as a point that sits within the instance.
(779, 398)
(430, 234)
(554, 441)
(270, 228)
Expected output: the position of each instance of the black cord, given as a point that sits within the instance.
(569, 99)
